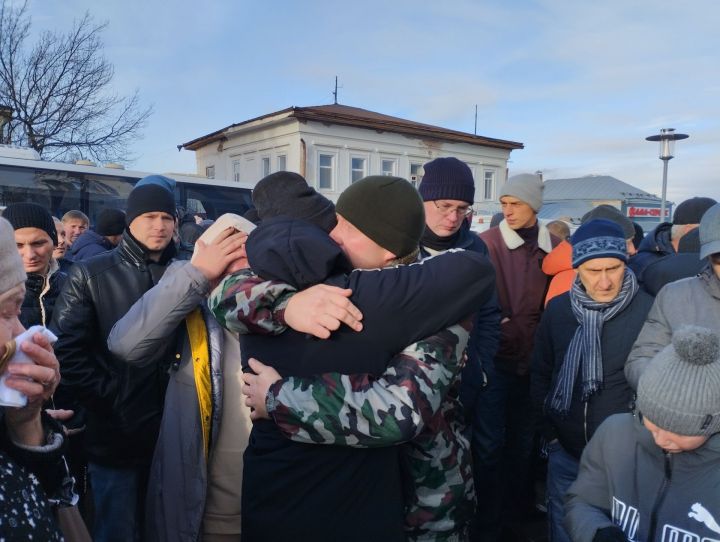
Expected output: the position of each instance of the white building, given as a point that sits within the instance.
(334, 145)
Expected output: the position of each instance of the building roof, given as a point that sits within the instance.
(361, 118)
(593, 187)
(569, 210)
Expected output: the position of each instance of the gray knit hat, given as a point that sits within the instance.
(680, 390)
(613, 214)
(527, 187)
(710, 232)
(12, 271)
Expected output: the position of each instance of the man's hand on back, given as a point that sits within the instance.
(321, 309)
(256, 387)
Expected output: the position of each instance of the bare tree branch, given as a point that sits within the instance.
(60, 91)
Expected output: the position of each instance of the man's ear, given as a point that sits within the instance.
(388, 257)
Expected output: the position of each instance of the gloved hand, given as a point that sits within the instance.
(610, 534)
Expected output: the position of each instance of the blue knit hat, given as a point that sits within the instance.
(160, 180)
(447, 178)
(598, 238)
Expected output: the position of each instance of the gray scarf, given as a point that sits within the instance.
(585, 347)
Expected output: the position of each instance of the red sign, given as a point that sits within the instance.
(646, 211)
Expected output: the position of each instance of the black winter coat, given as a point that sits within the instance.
(556, 330)
(41, 293)
(124, 402)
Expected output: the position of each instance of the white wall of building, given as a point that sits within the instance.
(251, 152)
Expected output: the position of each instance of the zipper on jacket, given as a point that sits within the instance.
(45, 289)
(661, 495)
(585, 420)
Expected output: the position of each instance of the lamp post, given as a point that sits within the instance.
(667, 138)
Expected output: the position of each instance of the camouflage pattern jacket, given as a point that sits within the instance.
(416, 401)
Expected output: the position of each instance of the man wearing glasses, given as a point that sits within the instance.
(448, 192)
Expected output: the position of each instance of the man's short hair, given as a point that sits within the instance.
(75, 215)
(559, 228)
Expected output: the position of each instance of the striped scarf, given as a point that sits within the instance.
(585, 347)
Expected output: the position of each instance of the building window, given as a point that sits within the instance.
(388, 167)
(357, 169)
(489, 186)
(326, 165)
(282, 162)
(236, 170)
(265, 166)
(416, 174)
(210, 172)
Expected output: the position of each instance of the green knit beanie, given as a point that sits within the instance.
(389, 210)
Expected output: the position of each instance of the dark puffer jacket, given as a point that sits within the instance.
(124, 403)
(41, 292)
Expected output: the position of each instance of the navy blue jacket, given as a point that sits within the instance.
(89, 244)
(654, 246)
(671, 268)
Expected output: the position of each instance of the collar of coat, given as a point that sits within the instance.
(513, 240)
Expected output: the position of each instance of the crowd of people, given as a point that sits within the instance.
(366, 370)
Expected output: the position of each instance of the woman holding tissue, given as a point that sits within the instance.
(31, 464)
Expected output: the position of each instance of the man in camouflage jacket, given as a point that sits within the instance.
(414, 400)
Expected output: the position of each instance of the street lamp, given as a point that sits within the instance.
(667, 138)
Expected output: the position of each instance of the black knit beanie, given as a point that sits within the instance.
(31, 215)
(149, 198)
(388, 210)
(613, 214)
(692, 210)
(447, 178)
(287, 194)
(110, 222)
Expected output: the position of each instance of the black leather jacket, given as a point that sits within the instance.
(123, 402)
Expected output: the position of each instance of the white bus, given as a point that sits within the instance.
(60, 187)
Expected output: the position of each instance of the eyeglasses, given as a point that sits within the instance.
(446, 209)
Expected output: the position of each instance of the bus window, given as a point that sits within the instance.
(213, 201)
(102, 192)
(57, 191)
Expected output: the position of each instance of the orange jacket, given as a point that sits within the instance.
(558, 264)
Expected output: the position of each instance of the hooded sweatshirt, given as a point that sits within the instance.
(626, 480)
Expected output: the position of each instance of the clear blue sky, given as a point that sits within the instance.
(580, 83)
